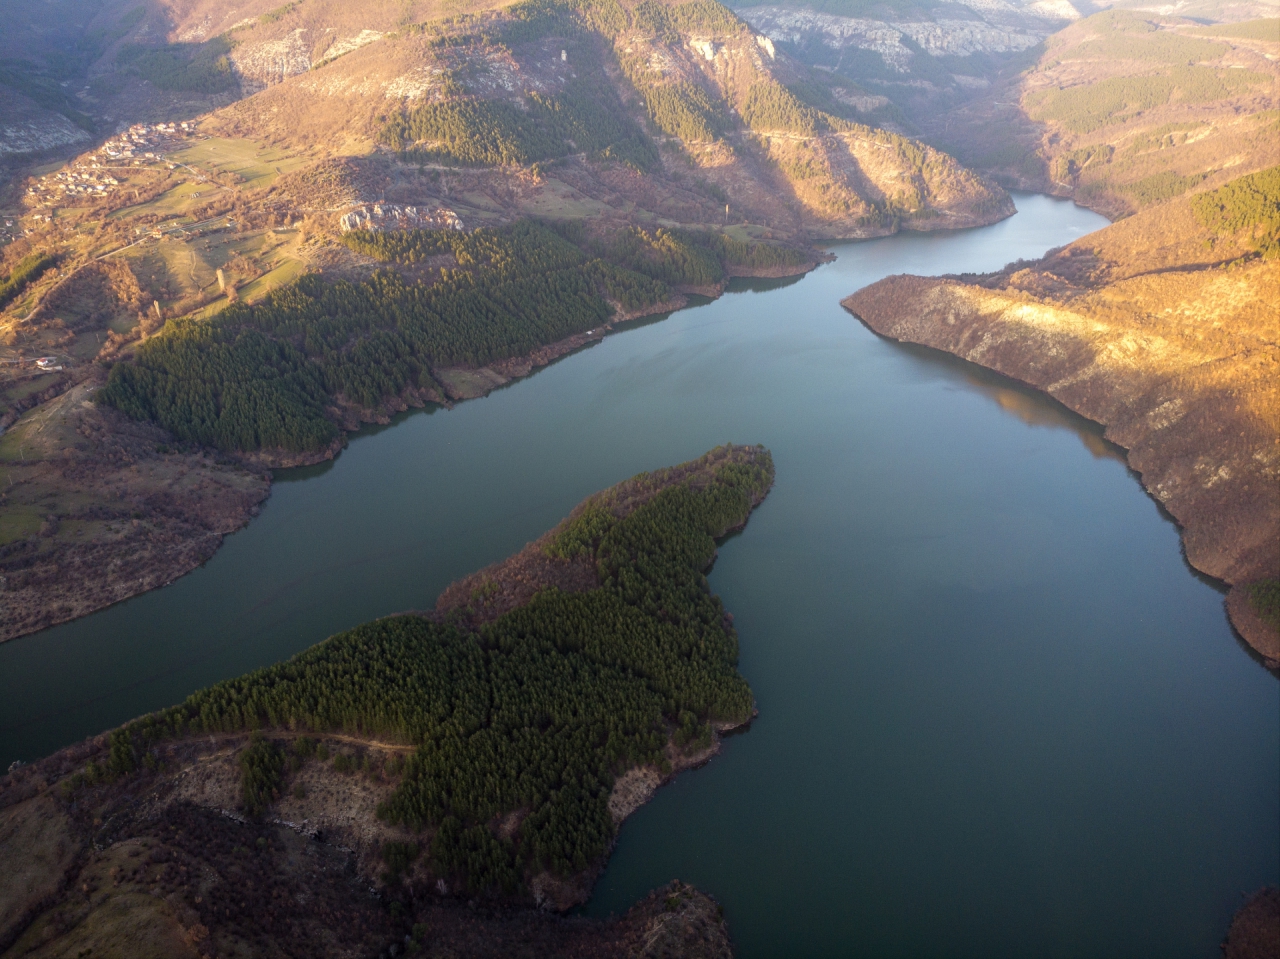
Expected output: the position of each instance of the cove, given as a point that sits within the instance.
(998, 714)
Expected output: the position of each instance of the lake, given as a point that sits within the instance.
(999, 715)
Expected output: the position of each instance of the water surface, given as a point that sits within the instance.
(998, 714)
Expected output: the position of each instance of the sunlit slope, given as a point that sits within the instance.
(72, 70)
(905, 63)
(1128, 109)
(684, 92)
(1162, 327)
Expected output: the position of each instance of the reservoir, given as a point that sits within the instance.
(999, 715)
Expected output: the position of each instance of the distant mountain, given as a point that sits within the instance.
(1127, 109)
(687, 94)
(906, 63)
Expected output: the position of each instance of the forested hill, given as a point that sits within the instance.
(271, 376)
(501, 757)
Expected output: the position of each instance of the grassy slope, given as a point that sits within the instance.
(1162, 327)
(96, 508)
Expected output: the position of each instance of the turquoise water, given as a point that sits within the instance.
(999, 716)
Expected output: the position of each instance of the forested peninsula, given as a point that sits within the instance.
(1162, 327)
(362, 793)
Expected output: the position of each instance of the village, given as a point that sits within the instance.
(93, 175)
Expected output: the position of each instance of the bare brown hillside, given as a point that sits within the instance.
(1165, 333)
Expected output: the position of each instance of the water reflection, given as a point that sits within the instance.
(761, 284)
(1028, 404)
(1034, 411)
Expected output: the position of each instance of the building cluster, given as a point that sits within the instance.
(91, 176)
(144, 140)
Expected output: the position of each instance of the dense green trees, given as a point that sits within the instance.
(1265, 598)
(585, 116)
(771, 107)
(1083, 109)
(587, 112)
(588, 116)
(472, 133)
(262, 376)
(199, 68)
(1250, 203)
(1122, 35)
(1159, 187)
(680, 109)
(29, 269)
(261, 769)
(674, 257)
(1268, 29)
(265, 375)
(475, 132)
(687, 257)
(540, 710)
(698, 16)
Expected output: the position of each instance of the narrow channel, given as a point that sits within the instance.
(999, 715)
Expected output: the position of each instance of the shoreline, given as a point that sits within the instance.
(936, 312)
(329, 818)
(95, 587)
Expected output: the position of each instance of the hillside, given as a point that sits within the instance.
(684, 93)
(210, 169)
(1163, 328)
(1127, 109)
(121, 481)
(359, 794)
(327, 77)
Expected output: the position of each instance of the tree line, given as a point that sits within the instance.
(585, 116)
(268, 375)
(197, 68)
(264, 375)
(672, 257)
(1247, 204)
